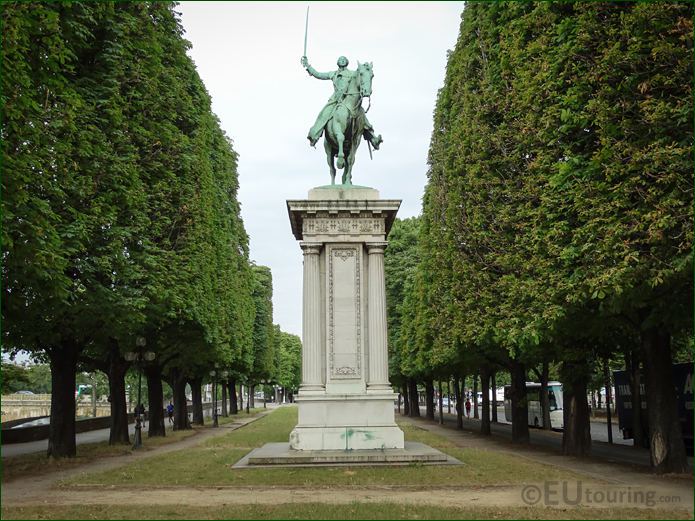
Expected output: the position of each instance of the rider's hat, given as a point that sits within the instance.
(343, 61)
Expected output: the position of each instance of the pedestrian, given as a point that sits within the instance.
(170, 412)
(140, 413)
(468, 407)
(143, 415)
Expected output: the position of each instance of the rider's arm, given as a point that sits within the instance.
(317, 74)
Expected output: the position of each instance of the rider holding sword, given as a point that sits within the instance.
(341, 79)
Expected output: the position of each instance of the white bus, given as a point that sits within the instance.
(535, 414)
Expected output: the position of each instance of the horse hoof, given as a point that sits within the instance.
(341, 162)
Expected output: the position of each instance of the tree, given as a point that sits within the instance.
(122, 219)
(559, 201)
(72, 259)
(289, 357)
(400, 261)
(14, 378)
(263, 342)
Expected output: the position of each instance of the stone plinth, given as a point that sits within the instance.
(281, 455)
(345, 399)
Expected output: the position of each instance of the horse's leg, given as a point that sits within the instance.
(329, 157)
(339, 134)
(347, 177)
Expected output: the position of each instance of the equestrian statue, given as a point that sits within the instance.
(343, 121)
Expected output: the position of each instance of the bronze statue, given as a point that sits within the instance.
(342, 120)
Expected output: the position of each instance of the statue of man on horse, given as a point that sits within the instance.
(342, 120)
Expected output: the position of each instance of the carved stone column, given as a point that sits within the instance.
(378, 343)
(312, 356)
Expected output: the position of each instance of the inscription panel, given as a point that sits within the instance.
(344, 225)
(344, 315)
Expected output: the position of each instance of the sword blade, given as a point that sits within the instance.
(306, 29)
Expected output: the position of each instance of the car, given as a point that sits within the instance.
(24, 392)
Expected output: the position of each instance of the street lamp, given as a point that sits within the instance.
(214, 373)
(138, 357)
(215, 423)
(224, 375)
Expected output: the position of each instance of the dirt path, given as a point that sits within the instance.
(619, 476)
(506, 496)
(638, 489)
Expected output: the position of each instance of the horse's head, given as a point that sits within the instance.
(366, 74)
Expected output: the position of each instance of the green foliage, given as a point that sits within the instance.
(14, 378)
(263, 368)
(400, 260)
(559, 206)
(289, 359)
(120, 211)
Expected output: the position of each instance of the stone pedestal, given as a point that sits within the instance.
(345, 399)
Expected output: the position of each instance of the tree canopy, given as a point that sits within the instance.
(558, 216)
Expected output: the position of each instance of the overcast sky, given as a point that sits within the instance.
(248, 54)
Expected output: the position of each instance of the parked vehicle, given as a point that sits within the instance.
(683, 380)
(535, 413)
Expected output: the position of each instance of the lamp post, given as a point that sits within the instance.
(138, 357)
(213, 373)
(224, 375)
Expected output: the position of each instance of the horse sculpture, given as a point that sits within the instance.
(344, 130)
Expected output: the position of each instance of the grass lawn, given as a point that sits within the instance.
(37, 463)
(323, 511)
(209, 464)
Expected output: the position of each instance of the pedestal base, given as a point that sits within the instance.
(281, 455)
(346, 422)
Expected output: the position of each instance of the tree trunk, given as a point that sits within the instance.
(155, 400)
(448, 395)
(429, 399)
(178, 387)
(485, 384)
(414, 398)
(666, 446)
(459, 404)
(545, 397)
(493, 384)
(252, 397)
(576, 434)
(406, 400)
(61, 431)
(119, 411)
(241, 397)
(197, 401)
(638, 438)
(441, 405)
(233, 401)
(520, 432)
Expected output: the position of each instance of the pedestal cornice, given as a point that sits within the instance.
(322, 213)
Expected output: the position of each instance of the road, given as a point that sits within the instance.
(15, 449)
(599, 430)
(622, 452)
